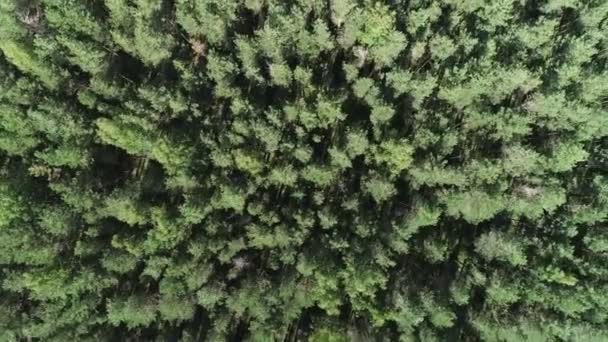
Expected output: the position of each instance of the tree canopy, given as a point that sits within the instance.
(303, 170)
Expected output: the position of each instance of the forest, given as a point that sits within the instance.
(304, 170)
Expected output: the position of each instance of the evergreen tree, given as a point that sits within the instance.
(303, 170)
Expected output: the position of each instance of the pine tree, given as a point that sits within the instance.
(303, 170)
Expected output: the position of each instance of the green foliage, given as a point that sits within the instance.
(380, 189)
(324, 334)
(11, 206)
(396, 154)
(303, 170)
(132, 311)
(378, 34)
(23, 58)
(209, 20)
(138, 29)
(124, 207)
(474, 206)
(499, 246)
(128, 137)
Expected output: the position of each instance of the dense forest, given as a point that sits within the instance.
(303, 170)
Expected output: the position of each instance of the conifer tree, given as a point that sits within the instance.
(303, 170)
